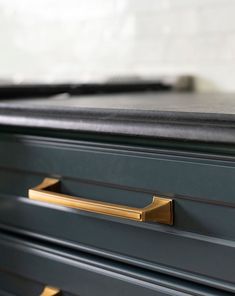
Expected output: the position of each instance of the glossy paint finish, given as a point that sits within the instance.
(204, 208)
(88, 253)
(77, 273)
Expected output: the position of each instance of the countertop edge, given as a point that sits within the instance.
(167, 125)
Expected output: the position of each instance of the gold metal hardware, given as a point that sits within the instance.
(50, 291)
(160, 210)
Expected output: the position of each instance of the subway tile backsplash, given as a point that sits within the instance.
(74, 40)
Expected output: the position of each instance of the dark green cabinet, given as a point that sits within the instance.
(124, 161)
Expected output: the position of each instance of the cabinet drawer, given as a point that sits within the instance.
(12, 284)
(29, 265)
(198, 246)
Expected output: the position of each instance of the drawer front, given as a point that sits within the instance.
(12, 284)
(202, 190)
(28, 265)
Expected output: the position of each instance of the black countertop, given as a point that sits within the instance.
(180, 116)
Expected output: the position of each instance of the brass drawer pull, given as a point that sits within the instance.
(50, 291)
(160, 210)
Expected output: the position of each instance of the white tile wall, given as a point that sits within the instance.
(68, 40)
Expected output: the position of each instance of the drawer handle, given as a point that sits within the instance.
(160, 210)
(50, 291)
